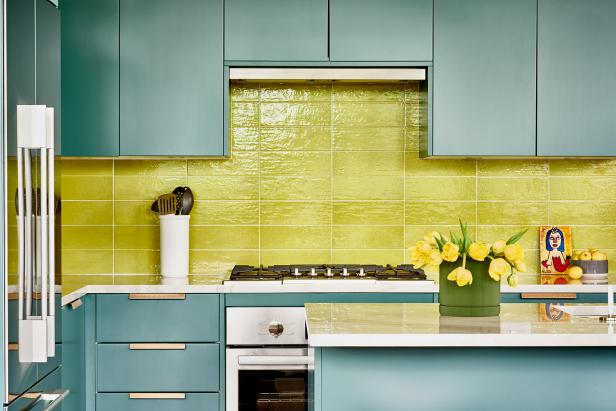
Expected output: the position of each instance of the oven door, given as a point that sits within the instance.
(269, 379)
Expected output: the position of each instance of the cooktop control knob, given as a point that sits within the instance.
(275, 329)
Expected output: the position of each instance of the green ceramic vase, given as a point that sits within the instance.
(480, 299)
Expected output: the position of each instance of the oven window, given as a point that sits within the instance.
(261, 390)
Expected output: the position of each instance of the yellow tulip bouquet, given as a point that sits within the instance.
(506, 256)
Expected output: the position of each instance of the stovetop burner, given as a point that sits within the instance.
(403, 272)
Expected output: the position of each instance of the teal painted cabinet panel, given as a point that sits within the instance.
(484, 78)
(576, 84)
(171, 78)
(276, 30)
(386, 30)
(193, 369)
(73, 356)
(192, 402)
(90, 77)
(120, 319)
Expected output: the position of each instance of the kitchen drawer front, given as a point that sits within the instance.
(122, 319)
(190, 402)
(172, 367)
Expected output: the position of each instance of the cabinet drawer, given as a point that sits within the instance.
(190, 402)
(188, 318)
(157, 367)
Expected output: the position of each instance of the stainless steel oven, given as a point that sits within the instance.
(268, 363)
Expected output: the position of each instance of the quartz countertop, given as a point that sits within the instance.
(420, 325)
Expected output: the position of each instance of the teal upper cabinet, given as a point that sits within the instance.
(385, 30)
(276, 30)
(484, 78)
(171, 78)
(576, 84)
(90, 82)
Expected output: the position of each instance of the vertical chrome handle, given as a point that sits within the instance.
(20, 234)
(49, 234)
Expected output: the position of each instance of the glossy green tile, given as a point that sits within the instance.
(594, 237)
(244, 92)
(368, 163)
(224, 212)
(144, 279)
(295, 114)
(368, 212)
(369, 114)
(513, 168)
(87, 238)
(368, 188)
(87, 188)
(367, 92)
(296, 213)
(522, 213)
(295, 237)
(134, 213)
(416, 166)
(516, 189)
(136, 238)
(244, 139)
(583, 188)
(245, 114)
(296, 92)
(368, 237)
(224, 237)
(136, 262)
(87, 213)
(441, 188)
(367, 256)
(90, 167)
(295, 138)
(134, 168)
(145, 188)
(87, 262)
(220, 261)
(295, 163)
(295, 188)
(490, 234)
(414, 233)
(577, 167)
(225, 187)
(240, 163)
(583, 213)
(271, 257)
(440, 212)
(368, 138)
(71, 283)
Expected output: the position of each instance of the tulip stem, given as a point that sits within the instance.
(464, 260)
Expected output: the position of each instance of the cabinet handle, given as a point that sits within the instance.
(548, 296)
(75, 304)
(13, 347)
(157, 396)
(159, 296)
(156, 346)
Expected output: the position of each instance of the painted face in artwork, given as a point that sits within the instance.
(555, 240)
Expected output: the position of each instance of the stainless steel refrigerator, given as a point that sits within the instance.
(31, 331)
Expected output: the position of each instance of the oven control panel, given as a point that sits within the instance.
(266, 326)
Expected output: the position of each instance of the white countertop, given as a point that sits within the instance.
(420, 325)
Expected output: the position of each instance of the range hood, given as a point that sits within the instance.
(325, 74)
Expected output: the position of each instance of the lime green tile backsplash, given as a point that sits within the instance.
(320, 173)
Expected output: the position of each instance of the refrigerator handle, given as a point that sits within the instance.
(49, 236)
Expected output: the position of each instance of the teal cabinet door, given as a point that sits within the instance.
(386, 30)
(90, 77)
(576, 85)
(276, 30)
(171, 78)
(484, 96)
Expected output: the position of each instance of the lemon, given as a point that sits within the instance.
(598, 256)
(575, 282)
(586, 256)
(575, 273)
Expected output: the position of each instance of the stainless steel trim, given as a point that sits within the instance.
(274, 360)
(251, 326)
(345, 74)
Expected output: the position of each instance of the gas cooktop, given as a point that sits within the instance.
(403, 272)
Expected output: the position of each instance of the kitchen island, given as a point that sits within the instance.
(398, 357)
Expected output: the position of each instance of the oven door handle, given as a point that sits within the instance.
(280, 360)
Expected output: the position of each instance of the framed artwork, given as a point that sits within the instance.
(556, 248)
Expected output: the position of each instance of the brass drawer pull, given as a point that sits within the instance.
(159, 296)
(75, 304)
(552, 296)
(157, 396)
(157, 346)
(13, 347)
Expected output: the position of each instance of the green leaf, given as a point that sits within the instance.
(439, 242)
(516, 237)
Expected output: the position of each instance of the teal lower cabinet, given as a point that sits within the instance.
(460, 379)
(157, 402)
(299, 299)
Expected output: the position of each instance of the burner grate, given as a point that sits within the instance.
(405, 272)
